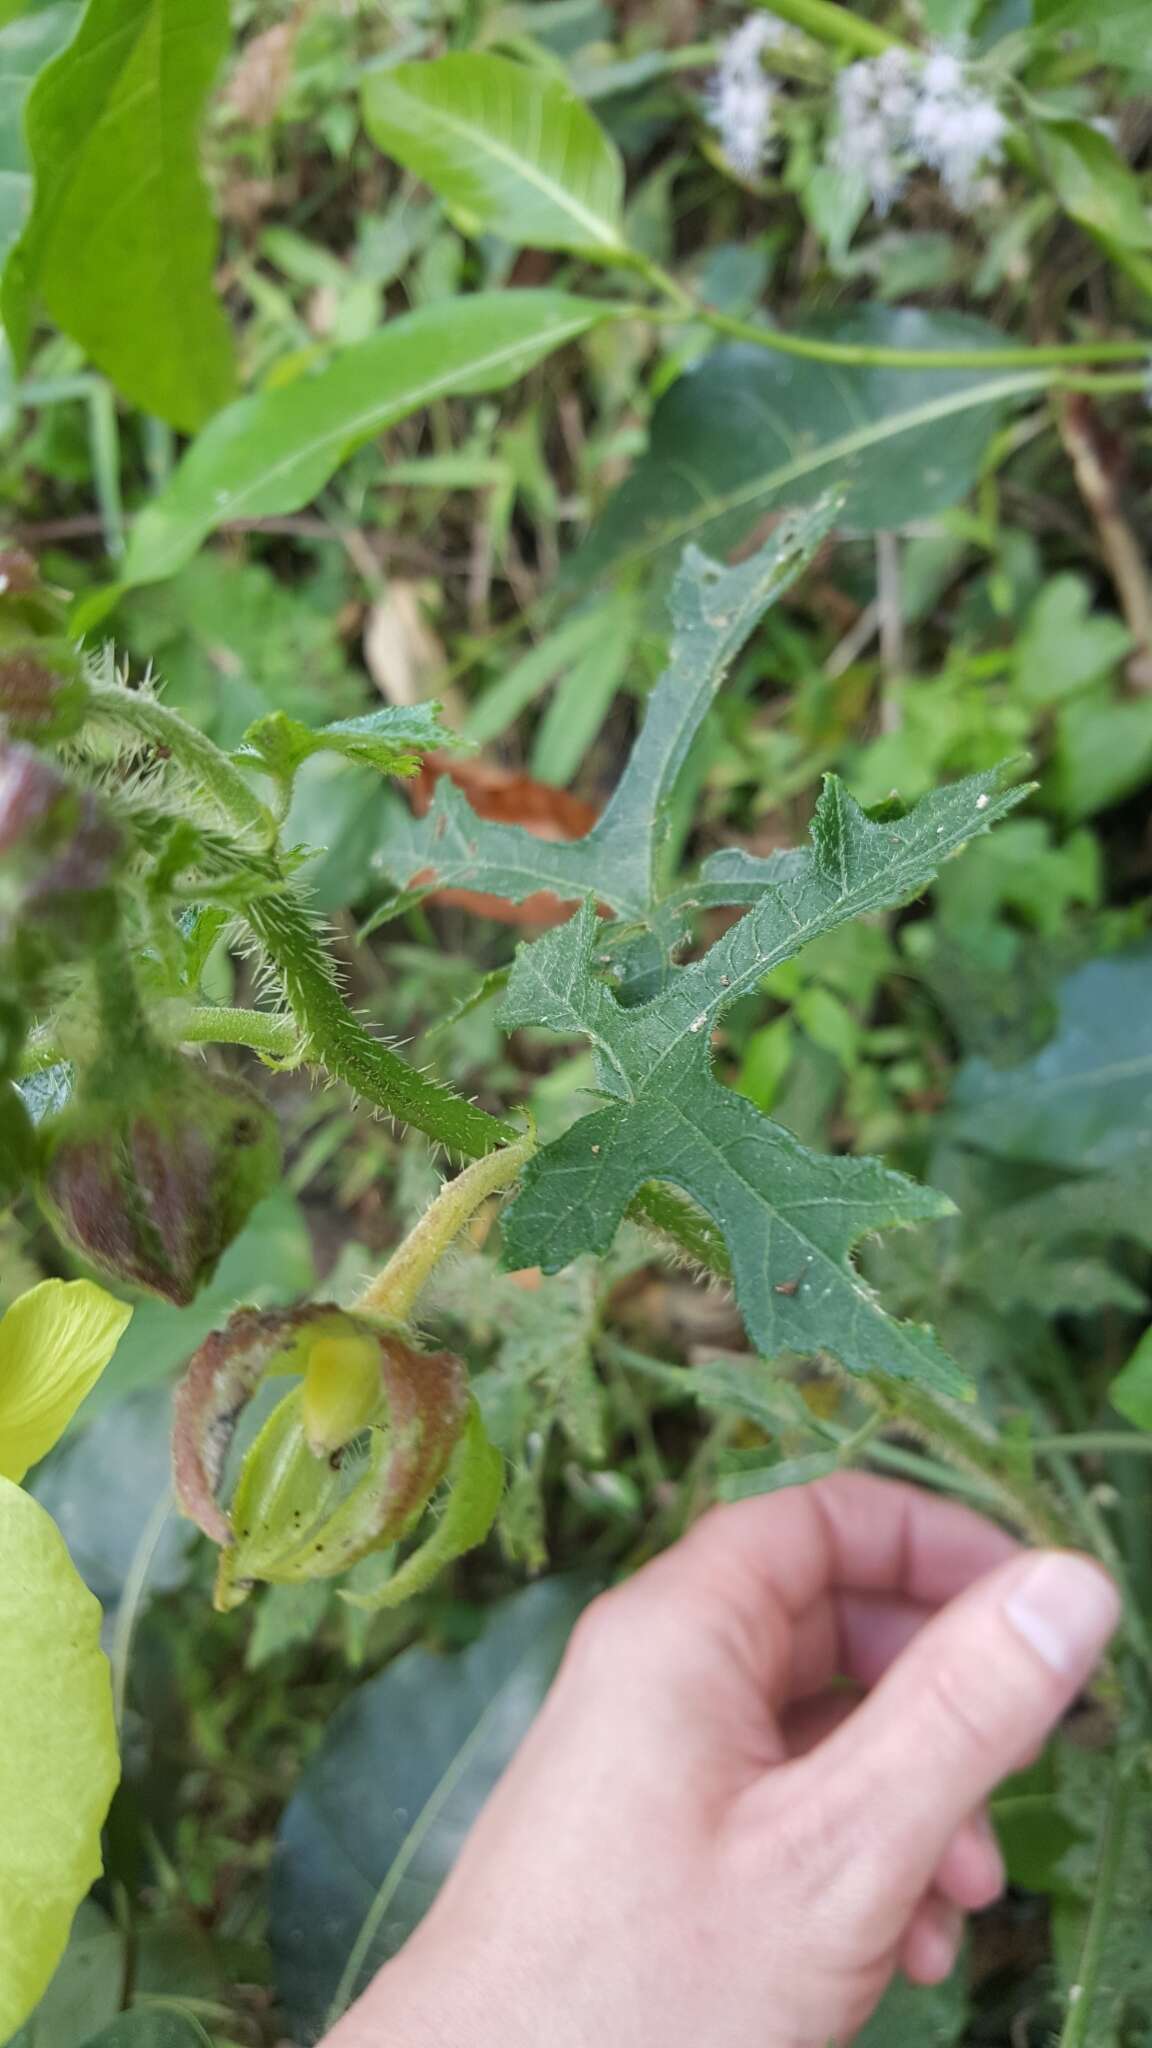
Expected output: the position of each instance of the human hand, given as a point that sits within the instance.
(705, 1838)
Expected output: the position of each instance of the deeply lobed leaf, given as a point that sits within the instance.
(620, 861)
(790, 1218)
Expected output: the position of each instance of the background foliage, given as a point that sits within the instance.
(357, 360)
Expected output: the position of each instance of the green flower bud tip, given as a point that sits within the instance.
(152, 1179)
(301, 1510)
(56, 843)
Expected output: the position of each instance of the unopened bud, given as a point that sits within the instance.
(301, 1510)
(58, 848)
(151, 1176)
(43, 691)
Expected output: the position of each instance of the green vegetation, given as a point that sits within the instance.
(575, 729)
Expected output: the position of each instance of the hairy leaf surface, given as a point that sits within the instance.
(789, 1217)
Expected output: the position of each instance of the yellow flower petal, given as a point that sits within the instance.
(55, 1342)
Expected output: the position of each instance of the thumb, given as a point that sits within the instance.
(978, 1689)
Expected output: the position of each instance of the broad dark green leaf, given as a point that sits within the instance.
(272, 452)
(1085, 1100)
(918, 2016)
(391, 740)
(509, 149)
(121, 243)
(106, 1486)
(151, 2027)
(621, 860)
(384, 1804)
(85, 1991)
(789, 1217)
(26, 46)
(745, 430)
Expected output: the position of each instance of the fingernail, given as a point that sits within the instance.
(1066, 1609)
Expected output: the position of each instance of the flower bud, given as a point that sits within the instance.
(58, 849)
(301, 1510)
(151, 1176)
(43, 690)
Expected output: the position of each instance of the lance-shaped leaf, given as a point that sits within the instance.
(121, 243)
(714, 610)
(508, 148)
(272, 452)
(789, 1217)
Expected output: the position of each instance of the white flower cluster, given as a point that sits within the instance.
(741, 95)
(899, 111)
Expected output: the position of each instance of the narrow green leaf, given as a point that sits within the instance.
(121, 243)
(1094, 183)
(58, 1760)
(789, 1218)
(272, 452)
(509, 149)
(746, 429)
(582, 699)
(620, 861)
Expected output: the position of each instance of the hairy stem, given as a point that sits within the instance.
(394, 1290)
(932, 1420)
(1082, 1996)
(332, 1037)
(202, 761)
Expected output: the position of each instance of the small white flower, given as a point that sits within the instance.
(899, 111)
(741, 95)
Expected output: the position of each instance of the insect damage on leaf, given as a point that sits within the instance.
(790, 1218)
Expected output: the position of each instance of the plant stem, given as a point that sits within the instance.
(1082, 1996)
(1121, 1441)
(1017, 356)
(925, 1415)
(206, 764)
(268, 1032)
(333, 1037)
(394, 1291)
(832, 24)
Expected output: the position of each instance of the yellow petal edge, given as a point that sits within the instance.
(55, 1342)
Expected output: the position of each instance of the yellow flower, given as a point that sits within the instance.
(55, 1342)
